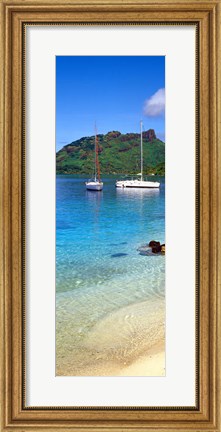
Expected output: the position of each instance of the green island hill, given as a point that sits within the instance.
(118, 154)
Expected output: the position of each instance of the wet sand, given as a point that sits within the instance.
(151, 365)
(127, 342)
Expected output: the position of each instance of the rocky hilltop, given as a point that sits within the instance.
(118, 153)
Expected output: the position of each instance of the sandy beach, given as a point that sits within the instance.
(127, 342)
(150, 365)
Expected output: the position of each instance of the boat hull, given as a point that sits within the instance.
(137, 184)
(94, 186)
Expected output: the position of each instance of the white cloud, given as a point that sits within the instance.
(155, 105)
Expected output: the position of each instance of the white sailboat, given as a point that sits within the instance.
(138, 183)
(95, 184)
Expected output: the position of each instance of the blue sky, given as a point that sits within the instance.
(116, 92)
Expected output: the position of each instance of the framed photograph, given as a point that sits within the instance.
(110, 151)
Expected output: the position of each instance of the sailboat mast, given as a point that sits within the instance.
(97, 167)
(95, 155)
(141, 150)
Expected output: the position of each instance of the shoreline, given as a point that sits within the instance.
(151, 365)
(126, 342)
(146, 365)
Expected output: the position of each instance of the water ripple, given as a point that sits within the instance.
(107, 310)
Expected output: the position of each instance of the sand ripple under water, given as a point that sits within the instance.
(111, 344)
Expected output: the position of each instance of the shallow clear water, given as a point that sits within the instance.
(102, 281)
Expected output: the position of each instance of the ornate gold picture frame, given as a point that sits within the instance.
(15, 15)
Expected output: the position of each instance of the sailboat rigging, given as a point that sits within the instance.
(141, 183)
(95, 184)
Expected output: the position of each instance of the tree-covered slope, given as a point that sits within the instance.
(118, 153)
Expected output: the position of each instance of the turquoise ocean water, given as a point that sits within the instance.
(110, 299)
